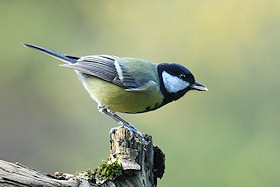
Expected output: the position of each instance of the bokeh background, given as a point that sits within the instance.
(228, 136)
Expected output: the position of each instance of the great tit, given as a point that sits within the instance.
(128, 85)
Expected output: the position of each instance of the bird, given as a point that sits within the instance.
(128, 85)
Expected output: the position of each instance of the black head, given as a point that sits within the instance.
(175, 81)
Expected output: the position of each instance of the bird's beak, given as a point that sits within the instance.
(198, 86)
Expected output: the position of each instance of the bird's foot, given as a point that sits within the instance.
(113, 130)
(134, 132)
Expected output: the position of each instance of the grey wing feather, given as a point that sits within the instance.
(103, 67)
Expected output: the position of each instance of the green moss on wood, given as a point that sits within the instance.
(106, 171)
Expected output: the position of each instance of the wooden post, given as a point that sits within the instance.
(141, 166)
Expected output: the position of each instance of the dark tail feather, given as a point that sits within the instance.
(62, 57)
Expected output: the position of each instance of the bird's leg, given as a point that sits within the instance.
(121, 121)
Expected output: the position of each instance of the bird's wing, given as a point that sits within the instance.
(150, 85)
(106, 68)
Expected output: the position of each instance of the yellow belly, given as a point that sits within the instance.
(118, 99)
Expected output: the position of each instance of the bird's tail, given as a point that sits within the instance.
(65, 58)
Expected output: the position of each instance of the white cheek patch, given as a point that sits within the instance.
(172, 83)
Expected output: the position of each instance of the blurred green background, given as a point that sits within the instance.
(228, 136)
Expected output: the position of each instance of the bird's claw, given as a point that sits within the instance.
(123, 123)
(133, 132)
(113, 130)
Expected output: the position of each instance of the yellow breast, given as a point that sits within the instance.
(119, 99)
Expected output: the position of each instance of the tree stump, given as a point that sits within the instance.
(141, 165)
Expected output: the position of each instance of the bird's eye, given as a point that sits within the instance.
(182, 76)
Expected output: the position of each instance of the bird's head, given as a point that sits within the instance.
(176, 80)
